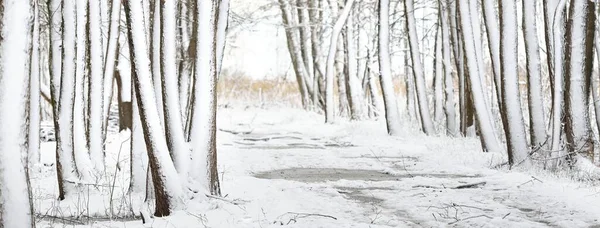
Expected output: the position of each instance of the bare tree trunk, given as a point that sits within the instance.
(418, 70)
(549, 13)
(167, 185)
(16, 204)
(578, 69)
(295, 50)
(389, 98)
(96, 87)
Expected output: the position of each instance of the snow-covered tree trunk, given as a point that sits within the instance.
(410, 84)
(305, 40)
(438, 81)
(558, 27)
(66, 170)
(172, 111)
(355, 92)
(139, 155)
(293, 44)
(389, 98)
(488, 135)
(167, 184)
(450, 103)
(34, 91)
(155, 59)
(537, 130)
(596, 81)
(417, 68)
(80, 136)
(549, 7)
(493, 38)
(55, 51)
(222, 32)
(578, 68)
(514, 126)
(96, 87)
(315, 41)
(16, 203)
(330, 65)
(203, 170)
(110, 59)
(186, 64)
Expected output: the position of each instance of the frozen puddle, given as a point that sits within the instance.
(311, 175)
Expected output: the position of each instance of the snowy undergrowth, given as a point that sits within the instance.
(285, 167)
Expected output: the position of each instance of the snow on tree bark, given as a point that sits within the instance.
(417, 68)
(55, 51)
(96, 86)
(488, 135)
(578, 69)
(537, 130)
(203, 171)
(66, 169)
(389, 98)
(80, 137)
(34, 91)
(155, 62)
(493, 38)
(167, 184)
(15, 206)
(514, 129)
(110, 59)
(330, 65)
(355, 92)
(172, 111)
(222, 32)
(558, 27)
(450, 103)
(438, 77)
(293, 44)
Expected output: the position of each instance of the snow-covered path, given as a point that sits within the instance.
(285, 167)
(291, 169)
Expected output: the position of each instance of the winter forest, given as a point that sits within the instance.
(299, 113)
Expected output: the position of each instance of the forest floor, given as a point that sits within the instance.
(283, 167)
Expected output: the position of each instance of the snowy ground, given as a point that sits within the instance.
(284, 167)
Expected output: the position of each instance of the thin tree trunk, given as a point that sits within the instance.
(110, 59)
(417, 68)
(558, 27)
(295, 51)
(438, 81)
(355, 92)
(493, 38)
(331, 56)
(389, 98)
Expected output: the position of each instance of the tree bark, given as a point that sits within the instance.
(389, 98)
